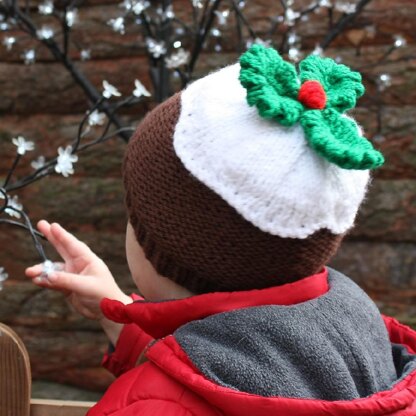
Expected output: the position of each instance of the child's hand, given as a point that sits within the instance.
(84, 278)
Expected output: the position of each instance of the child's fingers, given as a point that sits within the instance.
(66, 244)
(38, 269)
(34, 270)
(47, 284)
(72, 247)
(46, 228)
(68, 282)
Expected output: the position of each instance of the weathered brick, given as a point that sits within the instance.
(73, 357)
(386, 271)
(63, 95)
(79, 203)
(389, 212)
(398, 140)
(381, 268)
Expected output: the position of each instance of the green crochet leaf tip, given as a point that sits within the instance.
(316, 98)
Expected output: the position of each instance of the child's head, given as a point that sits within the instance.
(248, 179)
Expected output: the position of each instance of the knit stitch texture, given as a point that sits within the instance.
(191, 234)
(265, 170)
(274, 87)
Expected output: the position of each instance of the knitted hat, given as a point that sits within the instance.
(251, 176)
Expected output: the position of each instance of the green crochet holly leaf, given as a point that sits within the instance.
(337, 138)
(342, 86)
(316, 98)
(272, 85)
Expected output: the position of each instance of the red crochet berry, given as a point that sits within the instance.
(312, 95)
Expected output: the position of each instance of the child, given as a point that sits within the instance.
(239, 190)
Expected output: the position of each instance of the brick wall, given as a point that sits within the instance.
(42, 103)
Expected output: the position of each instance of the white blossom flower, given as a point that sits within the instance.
(48, 267)
(117, 25)
(345, 7)
(140, 89)
(64, 164)
(3, 24)
(156, 49)
(46, 7)
(216, 32)
(23, 145)
(110, 90)
(293, 38)
(140, 6)
(12, 205)
(265, 43)
(383, 81)
(278, 19)
(8, 42)
(38, 163)
(325, 3)
(318, 51)
(71, 17)
(167, 14)
(181, 57)
(3, 276)
(16, 205)
(29, 56)
(198, 4)
(294, 54)
(96, 118)
(222, 16)
(127, 5)
(399, 41)
(379, 138)
(85, 54)
(45, 32)
(291, 16)
(258, 41)
(137, 7)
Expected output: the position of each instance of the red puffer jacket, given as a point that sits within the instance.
(170, 384)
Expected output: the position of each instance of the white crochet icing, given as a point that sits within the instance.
(266, 171)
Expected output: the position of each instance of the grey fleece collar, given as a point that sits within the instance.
(334, 347)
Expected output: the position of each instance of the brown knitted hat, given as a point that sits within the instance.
(191, 235)
(223, 200)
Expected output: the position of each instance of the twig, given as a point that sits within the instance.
(342, 23)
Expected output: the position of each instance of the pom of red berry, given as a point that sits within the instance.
(312, 95)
